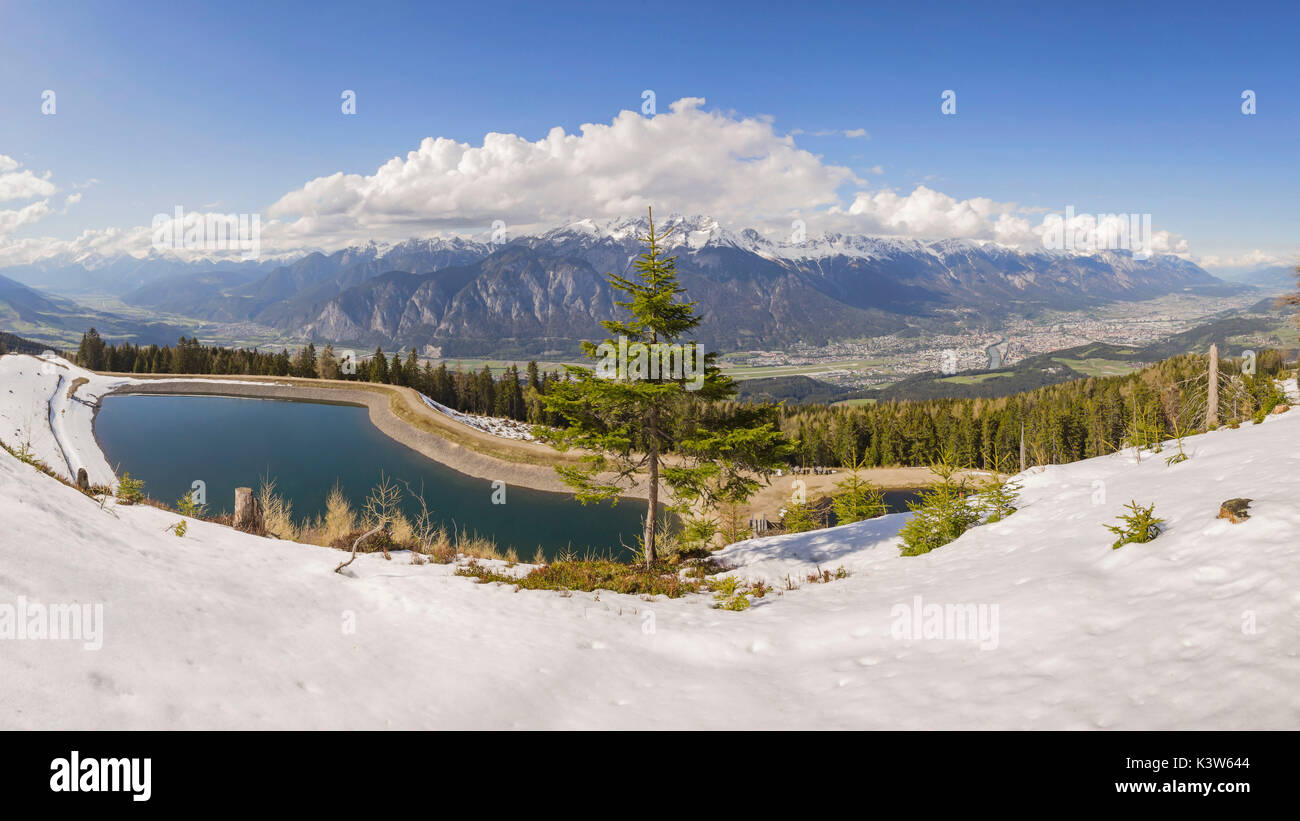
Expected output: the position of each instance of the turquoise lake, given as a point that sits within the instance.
(172, 441)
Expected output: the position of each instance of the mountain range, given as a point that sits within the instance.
(1270, 278)
(58, 321)
(542, 294)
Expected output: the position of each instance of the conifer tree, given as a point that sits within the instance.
(625, 422)
(858, 499)
(305, 363)
(942, 513)
(328, 364)
(1139, 525)
(997, 500)
(91, 354)
(379, 367)
(411, 370)
(799, 518)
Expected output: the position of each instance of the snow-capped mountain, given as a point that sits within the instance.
(544, 292)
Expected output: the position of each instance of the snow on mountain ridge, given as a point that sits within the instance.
(693, 232)
(699, 231)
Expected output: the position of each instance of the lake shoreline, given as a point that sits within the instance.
(309, 449)
(538, 474)
(399, 413)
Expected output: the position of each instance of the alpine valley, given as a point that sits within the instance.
(541, 294)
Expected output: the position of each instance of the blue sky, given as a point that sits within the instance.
(1107, 108)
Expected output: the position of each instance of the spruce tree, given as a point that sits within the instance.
(92, 353)
(1139, 526)
(379, 367)
(304, 363)
(411, 370)
(857, 499)
(444, 387)
(625, 421)
(799, 518)
(997, 500)
(943, 512)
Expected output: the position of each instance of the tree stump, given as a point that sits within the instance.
(1235, 510)
(248, 513)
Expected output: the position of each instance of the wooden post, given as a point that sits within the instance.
(248, 514)
(1137, 445)
(1212, 402)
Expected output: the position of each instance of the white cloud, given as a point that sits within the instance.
(106, 241)
(687, 160)
(1250, 259)
(22, 185)
(13, 219)
(923, 213)
(850, 133)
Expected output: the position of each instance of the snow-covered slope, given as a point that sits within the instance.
(48, 404)
(1200, 628)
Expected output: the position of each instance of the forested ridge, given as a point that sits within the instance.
(1065, 422)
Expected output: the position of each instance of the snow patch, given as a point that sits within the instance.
(495, 425)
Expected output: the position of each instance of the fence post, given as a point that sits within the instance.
(1212, 402)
